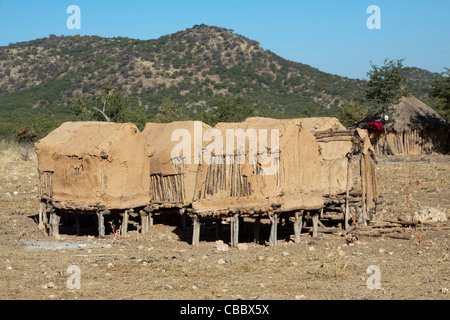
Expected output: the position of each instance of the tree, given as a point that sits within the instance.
(384, 89)
(111, 105)
(349, 114)
(440, 89)
(228, 109)
(170, 112)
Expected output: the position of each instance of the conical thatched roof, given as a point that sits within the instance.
(409, 113)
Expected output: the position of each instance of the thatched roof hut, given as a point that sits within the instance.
(416, 129)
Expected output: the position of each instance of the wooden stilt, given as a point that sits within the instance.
(183, 221)
(256, 230)
(234, 230)
(183, 218)
(150, 219)
(100, 224)
(54, 223)
(315, 220)
(364, 189)
(124, 224)
(347, 189)
(42, 215)
(273, 229)
(78, 223)
(144, 221)
(298, 226)
(196, 230)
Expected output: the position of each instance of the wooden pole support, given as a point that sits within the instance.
(144, 221)
(150, 219)
(183, 215)
(100, 224)
(54, 223)
(234, 230)
(315, 220)
(298, 226)
(256, 230)
(273, 229)
(364, 189)
(196, 230)
(347, 190)
(42, 215)
(124, 227)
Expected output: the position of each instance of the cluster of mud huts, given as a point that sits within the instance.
(258, 169)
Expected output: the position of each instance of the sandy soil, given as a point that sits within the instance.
(163, 265)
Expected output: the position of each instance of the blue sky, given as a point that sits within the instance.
(329, 35)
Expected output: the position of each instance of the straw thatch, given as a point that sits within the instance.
(416, 129)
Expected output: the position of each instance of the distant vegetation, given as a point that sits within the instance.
(197, 73)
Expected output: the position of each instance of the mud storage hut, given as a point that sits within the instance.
(255, 169)
(175, 151)
(94, 168)
(343, 190)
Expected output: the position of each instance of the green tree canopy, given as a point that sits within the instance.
(170, 111)
(384, 89)
(351, 113)
(385, 86)
(111, 105)
(228, 109)
(440, 89)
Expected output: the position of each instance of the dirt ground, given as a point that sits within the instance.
(163, 265)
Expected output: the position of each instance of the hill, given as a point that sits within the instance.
(419, 81)
(190, 66)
